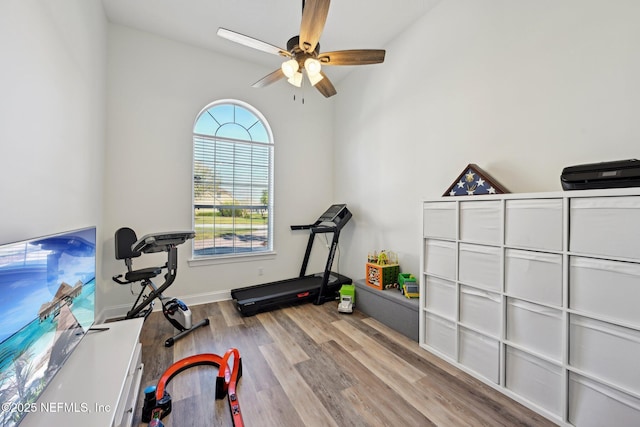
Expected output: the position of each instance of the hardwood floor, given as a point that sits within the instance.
(309, 365)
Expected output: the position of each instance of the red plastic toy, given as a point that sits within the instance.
(157, 403)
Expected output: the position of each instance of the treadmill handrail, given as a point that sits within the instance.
(301, 227)
(316, 228)
(324, 229)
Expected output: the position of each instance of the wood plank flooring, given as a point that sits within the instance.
(309, 365)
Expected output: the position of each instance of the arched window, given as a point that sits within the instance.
(232, 181)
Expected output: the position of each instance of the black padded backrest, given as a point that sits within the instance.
(125, 238)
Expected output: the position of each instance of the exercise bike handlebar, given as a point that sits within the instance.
(117, 280)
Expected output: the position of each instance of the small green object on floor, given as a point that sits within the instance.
(347, 298)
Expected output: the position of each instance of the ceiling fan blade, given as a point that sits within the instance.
(251, 42)
(314, 15)
(269, 78)
(352, 57)
(325, 87)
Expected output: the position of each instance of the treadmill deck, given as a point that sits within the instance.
(253, 299)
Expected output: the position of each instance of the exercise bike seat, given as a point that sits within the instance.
(142, 274)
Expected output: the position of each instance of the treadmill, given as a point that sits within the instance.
(319, 287)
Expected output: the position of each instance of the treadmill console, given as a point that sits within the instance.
(334, 217)
(332, 213)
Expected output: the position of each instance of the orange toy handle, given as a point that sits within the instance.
(227, 378)
(181, 365)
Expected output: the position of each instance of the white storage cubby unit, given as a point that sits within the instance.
(538, 295)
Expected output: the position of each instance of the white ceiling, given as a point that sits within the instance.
(351, 24)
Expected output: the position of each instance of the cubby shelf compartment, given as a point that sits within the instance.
(536, 295)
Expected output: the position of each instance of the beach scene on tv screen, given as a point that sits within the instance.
(47, 288)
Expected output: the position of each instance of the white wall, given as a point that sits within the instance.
(52, 116)
(522, 89)
(156, 87)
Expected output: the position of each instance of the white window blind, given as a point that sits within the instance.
(232, 182)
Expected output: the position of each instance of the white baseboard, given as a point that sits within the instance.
(207, 297)
(120, 311)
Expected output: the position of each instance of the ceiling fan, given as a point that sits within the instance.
(303, 51)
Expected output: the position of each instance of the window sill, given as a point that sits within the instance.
(230, 259)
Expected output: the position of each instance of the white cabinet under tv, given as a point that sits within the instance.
(538, 295)
(99, 383)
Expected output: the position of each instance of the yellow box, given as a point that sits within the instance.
(379, 276)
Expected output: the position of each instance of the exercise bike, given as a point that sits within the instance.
(127, 247)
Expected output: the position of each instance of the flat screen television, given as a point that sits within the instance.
(47, 304)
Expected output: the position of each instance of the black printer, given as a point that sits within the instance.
(616, 174)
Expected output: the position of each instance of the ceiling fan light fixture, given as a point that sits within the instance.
(303, 54)
(312, 66)
(315, 78)
(290, 67)
(296, 79)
